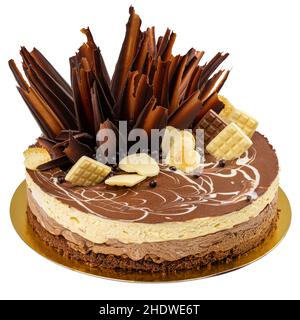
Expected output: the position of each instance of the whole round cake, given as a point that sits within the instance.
(179, 206)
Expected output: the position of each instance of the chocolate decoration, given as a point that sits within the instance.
(189, 70)
(60, 109)
(161, 83)
(152, 117)
(136, 95)
(48, 121)
(210, 68)
(30, 63)
(212, 125)
(185, 114)
(175, 85)
(55, 163)
(127, 54)
(46, 65)
(75, 150)
(214, 84)
(150, 88)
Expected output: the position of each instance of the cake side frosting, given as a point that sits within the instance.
(99, 230)
(159, 252)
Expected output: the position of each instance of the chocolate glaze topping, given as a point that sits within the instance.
(177, 197)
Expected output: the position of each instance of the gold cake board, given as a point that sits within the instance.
(19, 220)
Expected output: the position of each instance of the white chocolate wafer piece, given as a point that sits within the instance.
(87, 172)
(229, 144)
(35, 156)
(140, 163)
(231, 114)
(125, 180)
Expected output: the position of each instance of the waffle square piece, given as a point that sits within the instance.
(229, 144)
(212, 125)
(87, 172)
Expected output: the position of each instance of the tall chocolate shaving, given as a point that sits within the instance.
(150, 89)
(127, 54)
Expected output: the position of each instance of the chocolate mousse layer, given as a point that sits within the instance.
(177, 197)
(161, 256)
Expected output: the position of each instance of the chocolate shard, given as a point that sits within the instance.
(194, 81)
(189, 70)
(152, 117)
(136, 95)
(165, 45)
(98, 114)
(92, 53)
(46, 118)
(59, 108)
(214, 84)
(211, 67)
(161, 83)
(49, 146)
(212, 103)
(127, 54)
(143, 50)
(65, 134)
(108, 137)
(186, 113)
(59, 162)
(18, 76)
(82, 99)
(175, 84)
(75, 150)
(47, 66)
(151, 42)
(51, 83)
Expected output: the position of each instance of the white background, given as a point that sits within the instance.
(263, 40)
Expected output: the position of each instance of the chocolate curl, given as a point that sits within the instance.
(148, 66)
(194, 81)
(98, 115)
(108, 137)
(81, 78)
(212, 103)
(152, 117)
(75, 150)
(189, 70)
(211, 67)
(46, 118)
(136, 95)
(49, 146)
(59, 162)
(186, 113)
(214, 84)
(165, 45)
(141, 56)
(127, 54)
(151, 42)
(161, 83)
(60, 109)
(175, 85)
(18, 76)
(64, 137)
(47, 66)
(30, 63)
(92, 53)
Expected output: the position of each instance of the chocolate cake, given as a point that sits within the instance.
(144, 211)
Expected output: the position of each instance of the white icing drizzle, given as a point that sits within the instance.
(180, 196)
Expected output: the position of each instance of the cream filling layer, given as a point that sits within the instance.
(100, 230)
